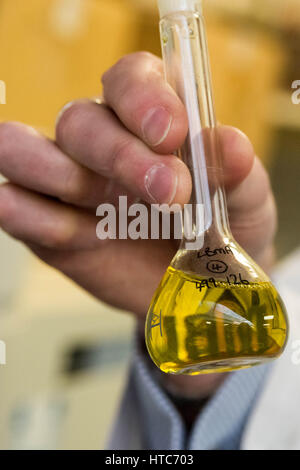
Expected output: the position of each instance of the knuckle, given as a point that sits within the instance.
(75, 186)
(106, 77)
(121, 152)
(130, 61)
(59, 237)
(143, 56)
(124, 61)
(70, 118)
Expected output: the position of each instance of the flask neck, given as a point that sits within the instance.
(187, 70)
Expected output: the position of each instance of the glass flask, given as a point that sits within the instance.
(215, 309)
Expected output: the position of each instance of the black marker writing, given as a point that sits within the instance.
(218, 251)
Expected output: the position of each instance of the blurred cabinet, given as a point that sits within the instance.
(53, 51)
(47, 403)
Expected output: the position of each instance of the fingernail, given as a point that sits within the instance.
(161, 184)
(156, 126)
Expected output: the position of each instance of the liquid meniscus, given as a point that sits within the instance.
(196, 325)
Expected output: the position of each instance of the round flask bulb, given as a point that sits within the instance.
(215, 311)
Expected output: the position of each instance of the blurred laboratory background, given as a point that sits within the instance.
(68, 354)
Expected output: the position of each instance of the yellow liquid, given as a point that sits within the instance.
(200, 326)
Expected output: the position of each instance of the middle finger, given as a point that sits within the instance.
(93, 136)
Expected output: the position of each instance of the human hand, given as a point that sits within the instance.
(122, 147)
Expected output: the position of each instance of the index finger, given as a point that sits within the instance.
(137, 92)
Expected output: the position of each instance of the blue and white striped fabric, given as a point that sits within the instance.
(220, 424)
(152, 422)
